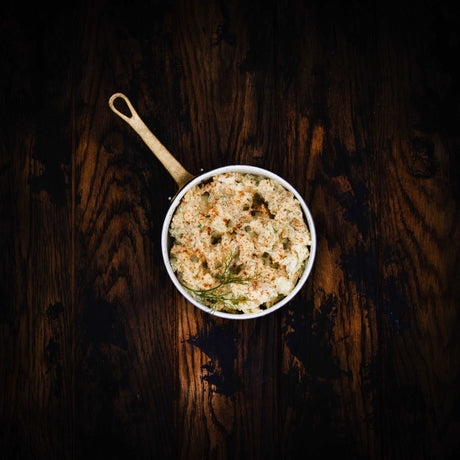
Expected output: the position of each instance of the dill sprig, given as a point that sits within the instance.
(218, 295)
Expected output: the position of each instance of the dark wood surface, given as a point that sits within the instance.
(354, 103)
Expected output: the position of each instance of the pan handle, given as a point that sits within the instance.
(177, 171)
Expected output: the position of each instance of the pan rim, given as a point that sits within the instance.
(246, 169)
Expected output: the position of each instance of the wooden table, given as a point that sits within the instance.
(355, 104)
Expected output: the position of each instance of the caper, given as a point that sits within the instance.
(216, 239)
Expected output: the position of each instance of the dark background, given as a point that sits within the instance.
(354, 103)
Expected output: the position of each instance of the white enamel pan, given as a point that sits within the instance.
(185, 182)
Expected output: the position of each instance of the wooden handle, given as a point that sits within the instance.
(177, 171)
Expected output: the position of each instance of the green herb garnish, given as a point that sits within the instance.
(219, 295)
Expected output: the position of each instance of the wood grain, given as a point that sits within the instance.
(125, 388)
(36, 315)
(355, 166)
(227, 404)
(356, 105)
(330, 332)
(418, 226)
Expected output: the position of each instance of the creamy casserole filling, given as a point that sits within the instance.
(240, 242)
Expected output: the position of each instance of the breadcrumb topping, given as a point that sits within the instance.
(246, 229)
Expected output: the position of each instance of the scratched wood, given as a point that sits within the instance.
(36, 355)
(355, 104)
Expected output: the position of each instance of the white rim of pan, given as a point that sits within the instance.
(245, 169)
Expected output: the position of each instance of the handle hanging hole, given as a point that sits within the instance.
(121, 105)
(125, 105)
